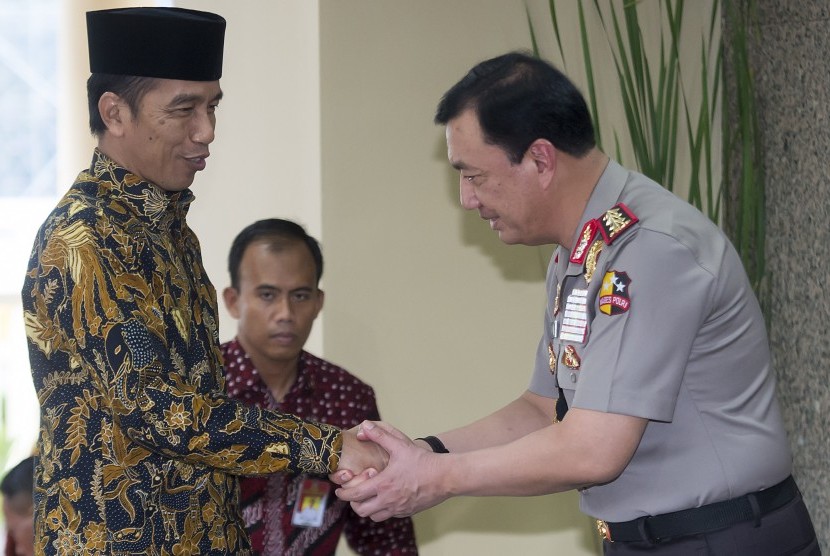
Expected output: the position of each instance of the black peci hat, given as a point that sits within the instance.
(169, 43)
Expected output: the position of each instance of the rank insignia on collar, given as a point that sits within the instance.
(614, 295)
(586, 236)
(615, 221)
(570, 358)
(591, 259)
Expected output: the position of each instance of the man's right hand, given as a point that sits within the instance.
(412, 482)
(358, 457)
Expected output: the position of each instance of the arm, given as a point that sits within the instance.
(528, 413)
(127, 348)
(588, 448)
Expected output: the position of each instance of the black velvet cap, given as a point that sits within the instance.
(169, 43)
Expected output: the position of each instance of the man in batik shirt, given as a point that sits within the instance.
(139, 448)
(275, 270)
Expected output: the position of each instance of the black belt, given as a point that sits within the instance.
(705, 519)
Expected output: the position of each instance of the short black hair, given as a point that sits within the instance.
(278, 233)
(130, 88)
(518, 99)
(19, 479)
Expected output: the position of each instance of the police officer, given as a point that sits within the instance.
(653, 345)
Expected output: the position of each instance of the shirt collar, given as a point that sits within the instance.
(159, 208)
(606, 193)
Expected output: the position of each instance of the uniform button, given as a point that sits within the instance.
(573, 377)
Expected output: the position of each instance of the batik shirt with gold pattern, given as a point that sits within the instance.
(139, 449)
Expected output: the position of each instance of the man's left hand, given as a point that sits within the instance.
(357, 457)
(410, 483)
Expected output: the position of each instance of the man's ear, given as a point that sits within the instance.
(544, 156)
(114, 112)
(231, 296)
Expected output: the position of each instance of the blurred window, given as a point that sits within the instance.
(28, 146)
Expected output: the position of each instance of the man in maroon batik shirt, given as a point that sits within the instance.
(275, 269)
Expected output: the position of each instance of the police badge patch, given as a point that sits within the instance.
(614, 297)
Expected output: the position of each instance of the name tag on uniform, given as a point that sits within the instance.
(575, 319)
(310, 507)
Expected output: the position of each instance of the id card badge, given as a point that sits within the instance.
(310, 507)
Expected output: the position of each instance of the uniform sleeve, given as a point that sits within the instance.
(651, 304)
(395, 536)
(100, 343)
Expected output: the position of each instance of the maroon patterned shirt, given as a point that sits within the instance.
(322, 392)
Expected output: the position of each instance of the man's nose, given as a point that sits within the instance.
(283, 309)
(204, 128)
(468, 196)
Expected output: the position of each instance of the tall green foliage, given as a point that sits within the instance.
(660, 108)
(655, 100)
(743, 155)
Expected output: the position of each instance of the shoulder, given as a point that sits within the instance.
(227, 347)
(664, 219)
(661, 210)
(233, 357)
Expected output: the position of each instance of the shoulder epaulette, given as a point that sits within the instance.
(611, 225)
(586, 236)
(615, 222)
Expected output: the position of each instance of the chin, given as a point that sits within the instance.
(284, 355)
(507, 239)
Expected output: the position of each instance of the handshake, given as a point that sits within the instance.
(384, 474)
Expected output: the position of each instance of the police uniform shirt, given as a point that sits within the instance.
(656, 319)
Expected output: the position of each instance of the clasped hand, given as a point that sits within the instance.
(386, 475)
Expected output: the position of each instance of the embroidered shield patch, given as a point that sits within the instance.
(614, 296)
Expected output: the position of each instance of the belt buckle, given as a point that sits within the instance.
(604, 531)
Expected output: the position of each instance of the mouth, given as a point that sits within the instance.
(284, 338)
(493, 219)
(199, 162)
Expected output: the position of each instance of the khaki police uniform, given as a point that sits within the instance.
(652, 315)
